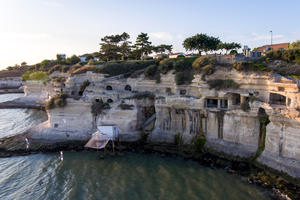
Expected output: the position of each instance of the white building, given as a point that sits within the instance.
(175, 55)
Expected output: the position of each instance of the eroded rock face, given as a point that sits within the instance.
(228, 118)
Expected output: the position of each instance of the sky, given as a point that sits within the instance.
(33, 30)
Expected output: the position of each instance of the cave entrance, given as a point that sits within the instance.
(128, 88)
(108, 87)
(277, 99)
(236, 99)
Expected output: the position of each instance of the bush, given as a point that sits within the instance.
(151, 71)
(183, 77)
(35, 75)
(59, 79)
(178, 139)
(98, 107)
(245, 106)
(251, 66)
(182, 65)
(203, 61)
(166, 65)
(199, 142)
(59, 100)
(290, 55)
(207, 70)
(219, 84)
(116, 68)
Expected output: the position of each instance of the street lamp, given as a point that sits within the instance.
(271, 38)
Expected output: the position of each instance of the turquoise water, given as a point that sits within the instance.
(84, 176)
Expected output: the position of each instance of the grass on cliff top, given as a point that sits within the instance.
(35, 75)
(115, 68)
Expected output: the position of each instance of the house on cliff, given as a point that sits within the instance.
(265, 48)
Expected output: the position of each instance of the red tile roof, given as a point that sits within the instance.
(273, 46)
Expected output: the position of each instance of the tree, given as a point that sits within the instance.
(229, 46)
(295, 45)
(163, 48)
(201, 42)
(73, 60)
(143, 44)
(111, 48)
(23, 64)
(125, 49)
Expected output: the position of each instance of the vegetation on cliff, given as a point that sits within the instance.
(83, 86)
(98, 106)
(220, 84)
(35, 75)
(59, 100)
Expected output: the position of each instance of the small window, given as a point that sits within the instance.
(55, 125)
(211, 103)
(128, 88)
(108, 87)
(109, 101)
(224, 103)
(182, 92)
(97, 100)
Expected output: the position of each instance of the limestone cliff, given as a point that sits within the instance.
(259, 119)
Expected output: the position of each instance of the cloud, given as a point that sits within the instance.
(52, 4)
(163, 36)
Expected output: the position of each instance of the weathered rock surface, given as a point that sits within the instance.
(230, 119)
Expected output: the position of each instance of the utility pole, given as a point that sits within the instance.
(271, 39)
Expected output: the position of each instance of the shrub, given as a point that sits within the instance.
(251, 66)
(117, 68)
(198, 142)
(98, 107)
(59, 100)
(203, 61)
(183, 77)
(166, 65)
(35, 75)
(59, 79)
(219, 84)
(207, 70)
(245, 106)
(290, 55)
(178, 139)
(182, 65)
(151, 71)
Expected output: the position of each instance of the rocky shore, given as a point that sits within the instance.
(279, 185)
(23, 102)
